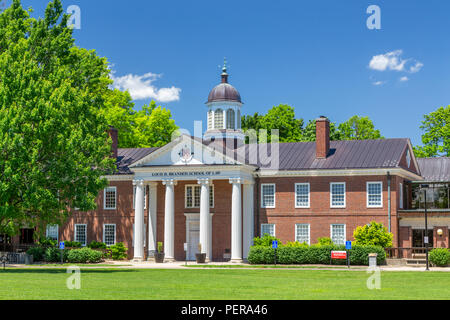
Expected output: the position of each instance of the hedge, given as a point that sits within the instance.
(84, 255)
(440, 257)
(315, 254)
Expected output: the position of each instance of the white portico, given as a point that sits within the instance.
(188, 159)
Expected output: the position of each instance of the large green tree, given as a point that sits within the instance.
(309, 133)
(358, 128)
(54, 146)
(436, 139)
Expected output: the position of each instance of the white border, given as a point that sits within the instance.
(309, 231)
(309, 195)
(115, 233)
(211, 190)
(331, 195)
(85, 233)
(367, 194)
(115, 198)
(338, 224)
(57, 231)
(265, 224)
(274, 195)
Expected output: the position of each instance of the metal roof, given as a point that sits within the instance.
(435, 169)
(126, 157)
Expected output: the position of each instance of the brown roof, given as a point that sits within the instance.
(435, 169)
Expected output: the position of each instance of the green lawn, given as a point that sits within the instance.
(194, 284)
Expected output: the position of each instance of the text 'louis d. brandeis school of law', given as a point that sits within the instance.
(220, 192)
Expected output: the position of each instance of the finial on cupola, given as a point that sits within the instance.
(224, 71)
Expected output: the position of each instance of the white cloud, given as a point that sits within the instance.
(141, 87)
(378, 83)
(394, 62)
(404, 79)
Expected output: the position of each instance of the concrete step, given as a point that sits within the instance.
(416, 262)
(419, 255)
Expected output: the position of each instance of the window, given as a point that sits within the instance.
(302, 195)
(81, 234)
(109, 234)
(338, 234)
(337, 194)
(400, 196)
(238, 124)
(109, 198)
(52, 231)
(302, 233)
(374, 194)
(408, 158)
(145, 197)
(218, 119)
(210, 119)
(268, 195)
(192, 196)
(230, 119)
(267, 228)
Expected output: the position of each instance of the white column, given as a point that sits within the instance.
(205, 218)
(224, 119)
(248, 218)
(139, 220)
(236, 221)
(153, 189)
(169, 220)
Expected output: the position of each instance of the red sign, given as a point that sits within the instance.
(338, 254)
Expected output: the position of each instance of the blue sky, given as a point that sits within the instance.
(317, 56)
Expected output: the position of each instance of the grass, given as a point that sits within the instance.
(270, 266)
(194, 284)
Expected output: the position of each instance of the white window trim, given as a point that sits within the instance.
(115, 232)
(309, 195)
(274, 195)
(115, 198)
(309, 231)
(271, 224)
(338, 224)
(367, 194)
(57, 231)
(85, 233)
(331, 195)
(211, 190)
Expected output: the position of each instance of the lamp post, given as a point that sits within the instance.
(426, 240)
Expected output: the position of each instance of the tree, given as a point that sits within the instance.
(436, 139)
(309, 133)
(373, 234)
(358, 128)
(150, 127)
(282, 118)
(54, 145)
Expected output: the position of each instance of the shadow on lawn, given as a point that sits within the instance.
(64, 270)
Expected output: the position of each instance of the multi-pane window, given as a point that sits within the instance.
(374, 194)
(268, 196)
(52, 231)
(302, 233)
(109, 199)
(337, 194)
(267, 228)
(338, 234)
(81, 233)
(302, 195)
(400, 195)
(192, 199)
(134, 197)
(230, 118)
(109, 234)
(218, 119)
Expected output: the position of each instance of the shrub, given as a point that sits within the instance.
(160, 247)
(325, 241)
(374, 234)
(265, 241)
(84, 255)
(72, 244)
(295, 244)
(440, 257)
(53, 254)
(97, 245)
(118, 251)
(315, 254)
(37, 253)
(48, 242)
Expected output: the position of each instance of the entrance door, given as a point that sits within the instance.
(193, 239)
(418, 238)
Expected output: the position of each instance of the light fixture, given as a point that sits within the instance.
(439, 232)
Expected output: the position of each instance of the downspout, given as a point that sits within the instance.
(257, 207)
(389, 200)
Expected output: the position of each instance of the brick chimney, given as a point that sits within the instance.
(322, 137)
(114, 135)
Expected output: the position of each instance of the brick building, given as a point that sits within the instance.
(221, 192)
